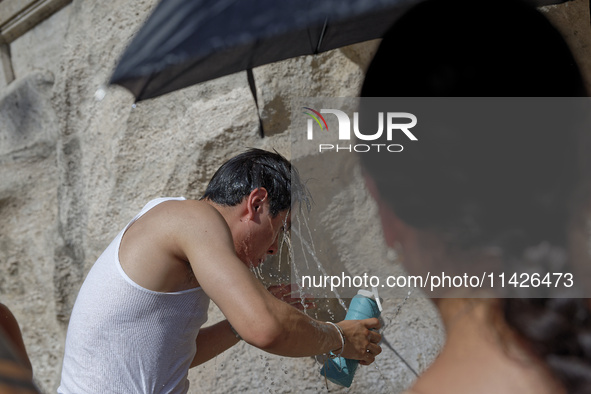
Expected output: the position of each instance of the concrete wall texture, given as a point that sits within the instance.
(75, 170)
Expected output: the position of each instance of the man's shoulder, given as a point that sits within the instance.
(187, 214)
(188, 209)
(155, 249)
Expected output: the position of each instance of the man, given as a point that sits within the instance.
(135, 326)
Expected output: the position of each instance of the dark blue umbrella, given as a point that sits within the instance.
(185, 42)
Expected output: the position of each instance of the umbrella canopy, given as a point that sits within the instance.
(185, 42)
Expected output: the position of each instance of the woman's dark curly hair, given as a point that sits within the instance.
(510, 190)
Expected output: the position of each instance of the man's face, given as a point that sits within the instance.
(263, 236)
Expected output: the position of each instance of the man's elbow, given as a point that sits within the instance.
(265, 336)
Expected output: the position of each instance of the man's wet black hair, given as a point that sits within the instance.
(253, 169)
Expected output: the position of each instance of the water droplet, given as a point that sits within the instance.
(100, 93)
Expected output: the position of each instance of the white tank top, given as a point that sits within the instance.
(123, 338)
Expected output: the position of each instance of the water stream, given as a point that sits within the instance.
(275, 377)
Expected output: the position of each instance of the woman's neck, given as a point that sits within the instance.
(482, 355)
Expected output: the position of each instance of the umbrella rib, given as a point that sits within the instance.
(253, 90)
(322, 36)
(144, 87)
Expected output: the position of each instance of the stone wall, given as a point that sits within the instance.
(74, 170)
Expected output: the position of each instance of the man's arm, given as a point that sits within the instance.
(204, 239)
(213, 341)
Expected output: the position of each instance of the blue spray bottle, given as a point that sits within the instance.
(364, 305)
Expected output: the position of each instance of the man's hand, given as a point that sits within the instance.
(291, 294)
(361, 340)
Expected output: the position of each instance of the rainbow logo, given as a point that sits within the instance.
(316, 119)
